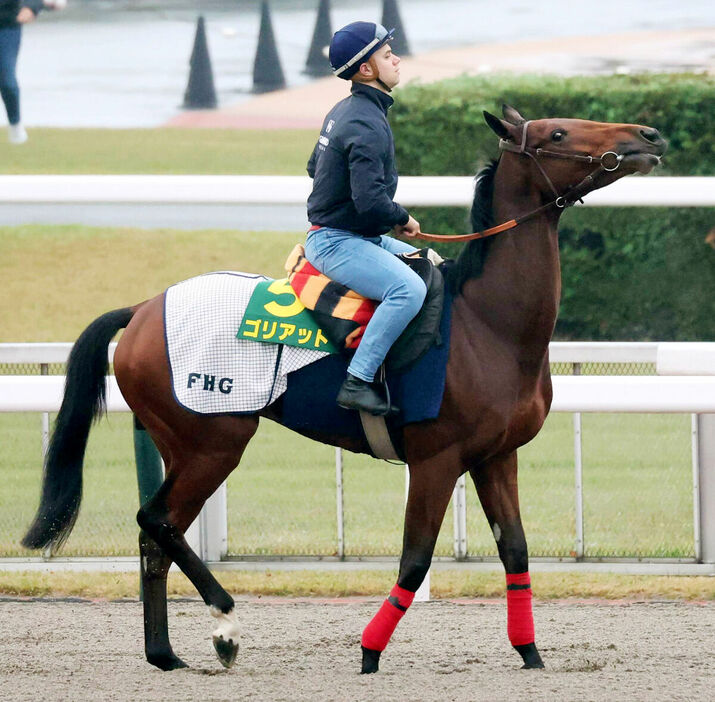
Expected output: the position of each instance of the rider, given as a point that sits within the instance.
(351, 206)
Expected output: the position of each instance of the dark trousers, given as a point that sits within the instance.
(9, 89)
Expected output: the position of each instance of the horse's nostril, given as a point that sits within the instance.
(651, 135)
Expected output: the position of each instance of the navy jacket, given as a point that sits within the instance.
(10, 8)
(353, 167)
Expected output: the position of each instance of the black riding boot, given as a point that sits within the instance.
(358, 394)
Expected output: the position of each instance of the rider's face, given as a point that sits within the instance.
(388, 65)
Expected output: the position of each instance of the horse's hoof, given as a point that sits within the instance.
(225, 650)
(166, 661)
(531, 656)
(225, 636)
(370, 660)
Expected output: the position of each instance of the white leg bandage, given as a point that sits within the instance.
(227, 628)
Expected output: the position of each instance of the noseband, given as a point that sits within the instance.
(608, 161)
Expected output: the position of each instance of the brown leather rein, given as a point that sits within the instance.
(609, 161)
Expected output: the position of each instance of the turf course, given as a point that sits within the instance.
(307, 583)
(637, 479)
(58, 279)
(282, 498)
(161, 151)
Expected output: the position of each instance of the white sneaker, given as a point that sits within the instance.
(16, 134)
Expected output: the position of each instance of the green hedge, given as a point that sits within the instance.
(628, 273)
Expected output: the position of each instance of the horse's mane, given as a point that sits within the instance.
(470, 262)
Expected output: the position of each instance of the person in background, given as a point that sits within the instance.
(351, 206)
(14, 14)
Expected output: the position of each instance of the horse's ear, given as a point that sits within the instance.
(512, 116)
(498, 126)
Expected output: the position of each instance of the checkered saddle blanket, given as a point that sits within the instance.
(212, 371)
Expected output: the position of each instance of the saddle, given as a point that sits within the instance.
(343, 314)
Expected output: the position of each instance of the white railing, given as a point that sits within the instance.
(294, 190)
(264, 202)
(617, 393)
(678, 391)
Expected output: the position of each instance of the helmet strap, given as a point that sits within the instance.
(373, 65)
(359, 78)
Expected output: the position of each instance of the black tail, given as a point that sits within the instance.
(84, 401)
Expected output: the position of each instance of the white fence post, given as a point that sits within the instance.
(706, 483)
(44, 370)
(423, 591)
(578, 487)
(213, 526)
(193, 536)
(459, 508)
(695, 455)
(578, 475)
(697, 359)
(339, 501)
(208, 534)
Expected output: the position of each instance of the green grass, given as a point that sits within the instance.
(81, 272)
(636, 504)
(363, 583)
(281, 500)
(161, 151)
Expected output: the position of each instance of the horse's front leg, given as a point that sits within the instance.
(431, 487)
(496, 483)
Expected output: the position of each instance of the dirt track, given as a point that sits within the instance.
(309, 650)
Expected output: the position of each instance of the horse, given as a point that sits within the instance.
(497, 394)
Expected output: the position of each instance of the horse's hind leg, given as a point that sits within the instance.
(496, 483)
(193, 474)
(154, 569)
(431, 487)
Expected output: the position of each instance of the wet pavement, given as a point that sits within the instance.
(103, 63)
(684, 50)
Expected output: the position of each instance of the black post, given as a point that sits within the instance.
(267, 71)
(317, 63)
(200, 92)
(390, 19)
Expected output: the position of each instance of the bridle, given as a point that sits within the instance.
(608, 161)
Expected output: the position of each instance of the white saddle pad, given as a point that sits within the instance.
(212, 371)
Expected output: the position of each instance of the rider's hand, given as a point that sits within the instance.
(25, 15)
(412, 228)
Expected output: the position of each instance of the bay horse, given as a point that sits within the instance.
(497, 395)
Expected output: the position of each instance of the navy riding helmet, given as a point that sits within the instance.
(354, 44)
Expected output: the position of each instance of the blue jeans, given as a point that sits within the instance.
(370, 268)
(9, 89)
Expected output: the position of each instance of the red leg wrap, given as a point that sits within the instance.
(520, 619)
(378, 632)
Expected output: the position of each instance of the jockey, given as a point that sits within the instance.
(351, 206)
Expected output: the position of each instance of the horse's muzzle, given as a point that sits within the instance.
(652, 136)
(641, 161)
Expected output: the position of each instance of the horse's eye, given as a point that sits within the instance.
(558, 135)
